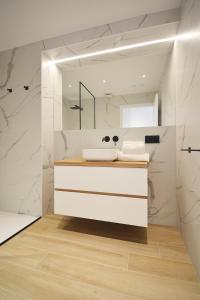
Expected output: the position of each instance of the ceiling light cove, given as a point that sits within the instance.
(124, 48)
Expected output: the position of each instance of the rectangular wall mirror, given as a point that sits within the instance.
(119, 89)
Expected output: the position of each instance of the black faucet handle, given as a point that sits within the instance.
(106, 139)
(115, 138)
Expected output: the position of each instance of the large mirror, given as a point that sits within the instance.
(120, 89)
(125, 91)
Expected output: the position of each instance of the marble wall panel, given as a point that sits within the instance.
(100, 32)
(91, 39)
(20, 130)
(187, 59)
(167, 92)
(27, 122)
(51, 106)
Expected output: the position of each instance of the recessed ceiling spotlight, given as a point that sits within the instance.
(143, 75)
(70, 85)
(104, 81)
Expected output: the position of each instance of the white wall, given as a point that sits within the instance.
(97, 33)
(51, 106)
(23, 22)
(167, 92)
(70, 118)
(184, 71)
(187, 55)
(24, 116)
(20, 131)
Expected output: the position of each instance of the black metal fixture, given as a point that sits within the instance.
(26, 87)
(75, 107)
(115, 139)
(152, 139)
(9, 90)
(189, 150)
(106, 139)
(80, 102)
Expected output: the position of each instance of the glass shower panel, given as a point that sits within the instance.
(87, 108)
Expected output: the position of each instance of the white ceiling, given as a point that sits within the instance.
(27, 21)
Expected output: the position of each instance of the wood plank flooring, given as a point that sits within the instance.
(69, 258)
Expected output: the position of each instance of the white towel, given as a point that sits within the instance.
(133, 147)
(133, 157)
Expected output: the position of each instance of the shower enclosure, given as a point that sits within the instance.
(86, 118)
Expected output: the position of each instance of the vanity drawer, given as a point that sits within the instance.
(129, 181)
(123, 210)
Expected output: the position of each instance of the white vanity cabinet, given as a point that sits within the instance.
(107, 191)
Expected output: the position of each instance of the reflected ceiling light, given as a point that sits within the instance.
(69, 85)
(143, 75)
(104, 81)
(124, 48)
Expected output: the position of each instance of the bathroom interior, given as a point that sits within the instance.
(100, 161)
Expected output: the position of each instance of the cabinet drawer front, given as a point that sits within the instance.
(131, 181)
(123, 210)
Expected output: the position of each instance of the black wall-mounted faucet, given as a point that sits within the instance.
(106, 139)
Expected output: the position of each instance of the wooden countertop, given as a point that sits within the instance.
(116, 164)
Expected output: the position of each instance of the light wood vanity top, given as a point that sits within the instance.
(117, 164)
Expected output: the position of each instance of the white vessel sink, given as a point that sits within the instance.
(99, 154)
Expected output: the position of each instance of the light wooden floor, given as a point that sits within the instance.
(61, 258)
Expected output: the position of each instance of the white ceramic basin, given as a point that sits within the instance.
(99, 154)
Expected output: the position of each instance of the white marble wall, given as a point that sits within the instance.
(51, 120)
(100, 32)
(167, 92)
(24, 115)
(92, 39)
(162, 170)
(20, 130)
(187, 59)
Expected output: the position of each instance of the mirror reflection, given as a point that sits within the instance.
(118, 90)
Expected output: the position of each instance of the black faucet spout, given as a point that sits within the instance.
(106, 139)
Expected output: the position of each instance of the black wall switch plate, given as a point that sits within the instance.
(152, 139)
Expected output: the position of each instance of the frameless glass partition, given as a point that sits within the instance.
(79, 108)
(87, 108)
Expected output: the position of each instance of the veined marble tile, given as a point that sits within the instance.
(24, 150)
(20, 130)
(90, 39)
(99, 32)
(186, 58)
